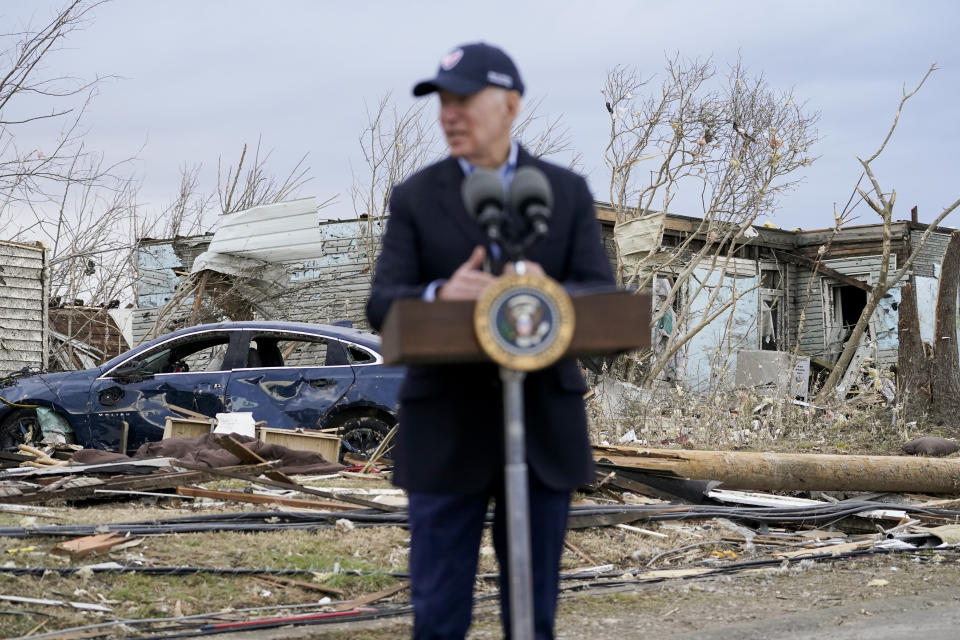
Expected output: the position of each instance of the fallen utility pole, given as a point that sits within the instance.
(793, 471)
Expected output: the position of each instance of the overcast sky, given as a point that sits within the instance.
(197, 79)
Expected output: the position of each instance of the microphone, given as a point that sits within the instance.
(482, 194)
(532, 197)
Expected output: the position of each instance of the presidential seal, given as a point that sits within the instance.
(524, 322)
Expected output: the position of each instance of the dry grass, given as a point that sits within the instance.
(669, 418)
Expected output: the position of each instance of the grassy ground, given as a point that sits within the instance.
(375, 549)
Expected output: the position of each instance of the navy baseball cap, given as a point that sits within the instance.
(471, 67)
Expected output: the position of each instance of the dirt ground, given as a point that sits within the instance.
(825, 600)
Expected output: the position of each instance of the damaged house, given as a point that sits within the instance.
(738, 314)
(278, 262)
(772, 293)
(41, 333)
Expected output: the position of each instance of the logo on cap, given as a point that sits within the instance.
(450, 60)
(501, 79)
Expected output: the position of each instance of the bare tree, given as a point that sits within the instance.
(542, 135)
(32, 106)
(258, 185)
(727, 140)
(882, 203)
(188, 213)
(208, 296)
(395, 143)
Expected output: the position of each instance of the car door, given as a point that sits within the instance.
(291, 379)
(189, 372)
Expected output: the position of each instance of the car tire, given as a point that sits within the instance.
(360, 436)
(20, 427)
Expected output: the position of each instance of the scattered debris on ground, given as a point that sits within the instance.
(158, 546)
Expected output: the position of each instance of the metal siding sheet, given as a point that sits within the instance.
(279, 233)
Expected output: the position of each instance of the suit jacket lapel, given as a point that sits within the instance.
(450, 202)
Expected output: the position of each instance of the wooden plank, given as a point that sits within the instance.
(152, 481)
(373, 597)
(302, 584)
(23, 315)
(231, 473)
(12, 247)
(833, 550)
(255, 498)
(87, 545)
(187, 412)
(246, 455)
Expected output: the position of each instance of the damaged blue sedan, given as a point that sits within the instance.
(287, 374)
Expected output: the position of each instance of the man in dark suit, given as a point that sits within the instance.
(449, 449)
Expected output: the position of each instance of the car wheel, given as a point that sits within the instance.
(20, 427)
(361, 435)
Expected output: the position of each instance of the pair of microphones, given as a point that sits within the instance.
(531, 198)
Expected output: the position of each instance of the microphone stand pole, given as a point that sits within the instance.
(516, 491)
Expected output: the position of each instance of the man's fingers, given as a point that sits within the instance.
(475, 261)
(465, 285)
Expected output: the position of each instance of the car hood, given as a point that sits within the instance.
(44, 385)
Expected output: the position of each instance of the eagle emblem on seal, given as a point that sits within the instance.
(524, 323)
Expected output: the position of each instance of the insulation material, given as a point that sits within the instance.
(927, 289)
(665, 328)
(637, 238)
(885, 318)
(55, 428)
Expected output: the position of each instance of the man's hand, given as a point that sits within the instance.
(532, 268)
(468, 282)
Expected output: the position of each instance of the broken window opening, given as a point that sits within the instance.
(843, 305)
(296, 350)
(188, 355)
(772, 320)
(770, 323)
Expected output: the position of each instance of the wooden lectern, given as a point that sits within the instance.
(418, 332)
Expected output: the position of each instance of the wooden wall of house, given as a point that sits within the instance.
(812, 341)
(931, 254)
(23, 306)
